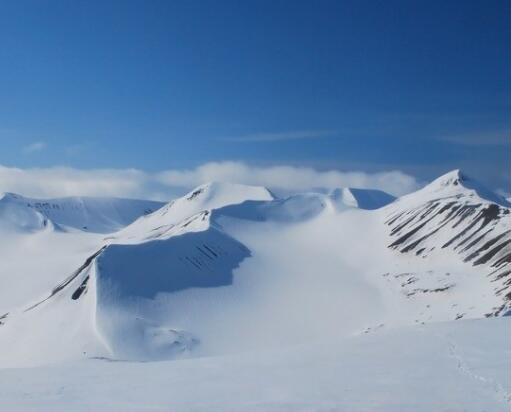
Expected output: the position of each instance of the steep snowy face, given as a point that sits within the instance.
(109, 299)
(455, 216)
(97, 215)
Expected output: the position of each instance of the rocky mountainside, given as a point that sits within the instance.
(456, 214)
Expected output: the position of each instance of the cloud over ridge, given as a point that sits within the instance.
(164, 185)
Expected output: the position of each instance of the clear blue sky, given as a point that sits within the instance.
(422, 86)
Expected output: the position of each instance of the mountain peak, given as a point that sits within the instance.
(10, 196)
(457, 182)
(453, 178)
(234, 191)
(208, 196)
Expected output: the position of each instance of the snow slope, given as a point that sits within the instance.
(32, 263)
(361, 198)
(99, 215)
(454, 366)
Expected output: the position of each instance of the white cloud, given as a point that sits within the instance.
(484, 138)
(504, 193)
(288, 177)
(74, 150)
(34, 147)
(64, 181)
(280, 136)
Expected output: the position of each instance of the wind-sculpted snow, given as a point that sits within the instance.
(114, 288)
(192, 260)
(130, 277)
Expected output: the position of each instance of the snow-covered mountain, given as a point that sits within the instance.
(101, 215)
(206, 197)
(230, 268)
(455, 217)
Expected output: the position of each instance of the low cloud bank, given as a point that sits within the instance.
(289, 177)
(65, 181)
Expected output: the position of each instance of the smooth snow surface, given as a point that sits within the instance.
(315, 301)
(455, 366)
(361, 198)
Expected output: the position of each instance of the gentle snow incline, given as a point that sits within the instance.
(460, 366)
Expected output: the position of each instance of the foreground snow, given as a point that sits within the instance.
(452, 366)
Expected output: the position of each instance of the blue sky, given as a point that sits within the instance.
(418, 86)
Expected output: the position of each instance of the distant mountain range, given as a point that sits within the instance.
(100, 215)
